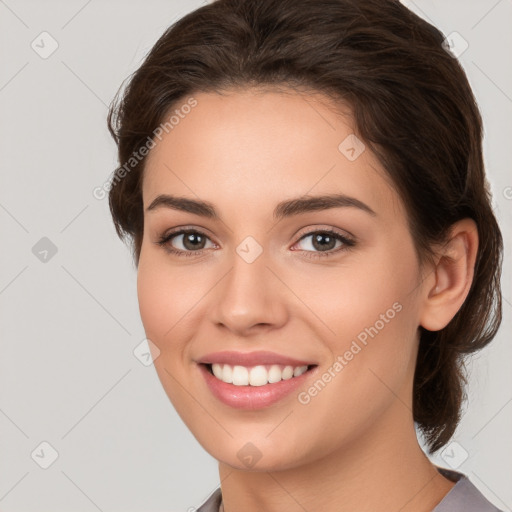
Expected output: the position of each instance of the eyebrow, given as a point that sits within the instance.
(287, 208)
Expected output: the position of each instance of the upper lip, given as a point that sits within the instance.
(251, 359)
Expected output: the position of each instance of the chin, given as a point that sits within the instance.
(256, 456)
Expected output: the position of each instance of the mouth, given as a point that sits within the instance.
(256, 387)
(255, 376)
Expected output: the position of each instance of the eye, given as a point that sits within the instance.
(191, 241)
(323, 242)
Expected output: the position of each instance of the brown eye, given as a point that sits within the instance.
(186, 242)
(323, 243)
(193, 241)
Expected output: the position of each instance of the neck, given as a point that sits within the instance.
(383, 469)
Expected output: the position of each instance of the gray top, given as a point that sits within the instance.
(463, 497)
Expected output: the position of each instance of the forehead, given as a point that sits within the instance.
(257, 147)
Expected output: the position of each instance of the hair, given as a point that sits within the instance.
(411, 104)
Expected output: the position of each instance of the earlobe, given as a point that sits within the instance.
(450, 281)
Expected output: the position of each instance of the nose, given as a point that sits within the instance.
(250, 298)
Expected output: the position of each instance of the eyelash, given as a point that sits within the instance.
(347, 243)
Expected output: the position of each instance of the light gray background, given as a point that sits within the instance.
(68, 375)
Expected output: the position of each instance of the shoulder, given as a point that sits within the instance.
(464, 496)
(212, 503)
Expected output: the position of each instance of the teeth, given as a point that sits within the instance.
(257, 375)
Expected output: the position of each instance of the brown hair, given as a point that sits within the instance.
(411, 103)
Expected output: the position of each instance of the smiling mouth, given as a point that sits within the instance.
(254, 376)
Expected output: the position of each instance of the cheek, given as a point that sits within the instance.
(374, 348)
(371, 312)
(162, 309)
(165, 296)
(354, 296)
(163, 306)
(153, 296)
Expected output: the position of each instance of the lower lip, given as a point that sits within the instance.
(252, 397)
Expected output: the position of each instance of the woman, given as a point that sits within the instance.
(303, 185)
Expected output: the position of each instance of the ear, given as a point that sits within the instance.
(448, 283)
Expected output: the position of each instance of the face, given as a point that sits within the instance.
(330, 288)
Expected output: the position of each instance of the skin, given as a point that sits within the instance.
(353, 446)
